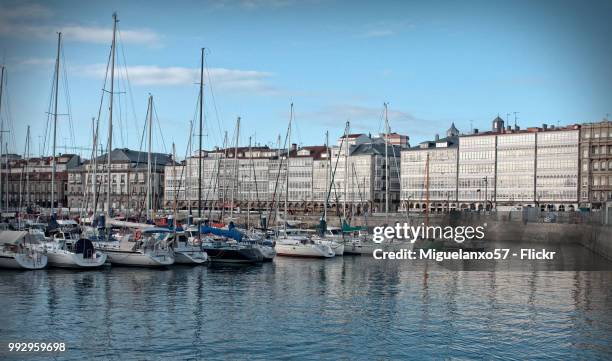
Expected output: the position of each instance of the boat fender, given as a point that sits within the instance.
(138, 234)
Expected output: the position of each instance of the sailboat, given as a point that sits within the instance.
(185, 252)
(19, 251)
(147, 246)
(265, 246)
(64, 250)
(328, 235)
(297, 246)
(221, 245)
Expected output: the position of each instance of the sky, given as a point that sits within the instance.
(433, 62)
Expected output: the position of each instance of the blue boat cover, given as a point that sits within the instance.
(231, 231)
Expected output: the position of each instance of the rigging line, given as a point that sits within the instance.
(213, 99)
(122, 105)
(47, 130)
(103, 93)
(183, 171)
(280, 163)
(297, 130)
(129, 84)
(144, 131)
(195, 115)
(159, 128)
(67, 95)
(9, 114)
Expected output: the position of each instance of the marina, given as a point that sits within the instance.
(305, 180)
(296, 308)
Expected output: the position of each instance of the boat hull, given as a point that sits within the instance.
(65, 259)
(301, 250)
(190, 257)
(24, 262)
(138, 259)
(234, 255)
(267, 252)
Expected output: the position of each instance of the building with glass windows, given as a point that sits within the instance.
(596, 164)
(476, 174)
(429, 175)
(535, 167)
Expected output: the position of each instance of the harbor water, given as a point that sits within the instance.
(340, 308)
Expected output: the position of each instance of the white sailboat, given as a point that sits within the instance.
(71, 253)
(297, 245)
(333, 238)
(149, 247)
(19, 251)
(186, 251)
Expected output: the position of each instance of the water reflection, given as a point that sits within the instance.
(351, 307)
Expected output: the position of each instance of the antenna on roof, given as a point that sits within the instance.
(471, 127)
(515, 118)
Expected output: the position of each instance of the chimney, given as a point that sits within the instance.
(517, 128)
(437, 137)
(509, 128)
(552, 126)
(475, 130)
(544, 126)
(293, 146)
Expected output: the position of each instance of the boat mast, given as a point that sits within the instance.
(387, 168)
(27, 169)
(327, 173)
(53, 166)
(275, 199)
(149, 172)
(248, 188)
(110, 120)
(287, 171)
(94, 178)
(224, 175)
(176, 189)
(200, 135)
(188, 165)
(346, 160)
(23, 170)
(235, 183)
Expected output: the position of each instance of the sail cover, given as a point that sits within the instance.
(231, 232)
(346, 228)
(85, 247)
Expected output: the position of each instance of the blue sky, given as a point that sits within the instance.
(435, 62)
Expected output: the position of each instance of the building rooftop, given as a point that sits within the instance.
(375, 149)
(125, 155)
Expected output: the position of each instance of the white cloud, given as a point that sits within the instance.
(20, 22)
(93, 34)
(80, 33)
(362, 118)
(231, 79)
(24, 11)
(35, 62)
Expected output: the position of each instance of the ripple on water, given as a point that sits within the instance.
(351, 307)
